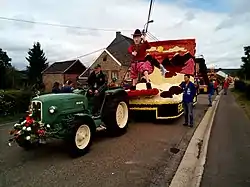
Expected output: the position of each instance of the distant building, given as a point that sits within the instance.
(115, 60)
(61, 72)
(229, 71)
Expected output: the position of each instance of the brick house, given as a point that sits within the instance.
(115, 60)
(61, 72)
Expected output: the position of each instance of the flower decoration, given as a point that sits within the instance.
(29, 130)
(175, 90)
(166, 94)
(138, 93)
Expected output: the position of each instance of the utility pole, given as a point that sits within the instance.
(149, 14)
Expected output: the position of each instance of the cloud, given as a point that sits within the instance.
(220, 34)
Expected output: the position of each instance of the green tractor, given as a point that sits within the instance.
(68, 116)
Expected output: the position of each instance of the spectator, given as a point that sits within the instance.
(189, 92)
(68, 87)
(216, 86)
(210, 92)
(225, 86)
(56, 88)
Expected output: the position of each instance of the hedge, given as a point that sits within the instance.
(14, 101)
(248, 91)
(242, 87)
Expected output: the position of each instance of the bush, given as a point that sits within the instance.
(248, 91)
(240, 85)
(14, 101)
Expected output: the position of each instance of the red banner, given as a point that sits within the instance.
(170, 48)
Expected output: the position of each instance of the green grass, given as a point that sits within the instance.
(11, 118)
(242, 101)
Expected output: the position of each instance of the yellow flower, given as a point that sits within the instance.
(160, 49)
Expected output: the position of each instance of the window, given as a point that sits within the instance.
(127, 77)
(104, 59)
(114, 74)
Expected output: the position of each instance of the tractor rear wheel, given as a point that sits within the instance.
(116, 115)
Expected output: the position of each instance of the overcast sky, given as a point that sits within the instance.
(221, 27)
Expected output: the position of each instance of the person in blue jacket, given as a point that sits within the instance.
(210, 92)
(189, 92)
(68, 87)
(56, 88)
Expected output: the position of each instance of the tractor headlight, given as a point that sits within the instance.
(52, 109)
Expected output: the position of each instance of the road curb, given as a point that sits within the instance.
(190, 170)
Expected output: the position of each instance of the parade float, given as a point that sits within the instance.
(165, 97)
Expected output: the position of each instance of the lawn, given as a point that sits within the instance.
(242, 101)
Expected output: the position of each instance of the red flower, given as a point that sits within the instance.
(41, 132)
(29, 121)
(137, 93)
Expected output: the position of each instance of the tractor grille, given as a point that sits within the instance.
(37, 110)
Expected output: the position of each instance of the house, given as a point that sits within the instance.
(115, 59)
(61, 72)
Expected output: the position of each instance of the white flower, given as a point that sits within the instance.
(16, 125)
(48, 125)
(24, 128)
(28, 129)
(27, 137)
(23, 122)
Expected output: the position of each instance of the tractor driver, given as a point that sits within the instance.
(97, 83)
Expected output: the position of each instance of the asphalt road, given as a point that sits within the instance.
(228, 159)
(141, 157)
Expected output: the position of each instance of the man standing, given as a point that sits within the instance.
(210, 92)
(189, 92)
(97, 83)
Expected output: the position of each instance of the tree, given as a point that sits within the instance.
(245, 67)
(37, 63)
(4, 65)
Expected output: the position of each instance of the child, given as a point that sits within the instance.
(139, 64)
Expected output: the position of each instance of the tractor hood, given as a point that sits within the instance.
(57, 97)
(50, 108)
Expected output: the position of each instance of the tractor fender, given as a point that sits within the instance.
(116, 92)
(85, 117)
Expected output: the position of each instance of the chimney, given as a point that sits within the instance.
(118, 33)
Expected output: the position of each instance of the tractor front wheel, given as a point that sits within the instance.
(25, 144)
(80, 138)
